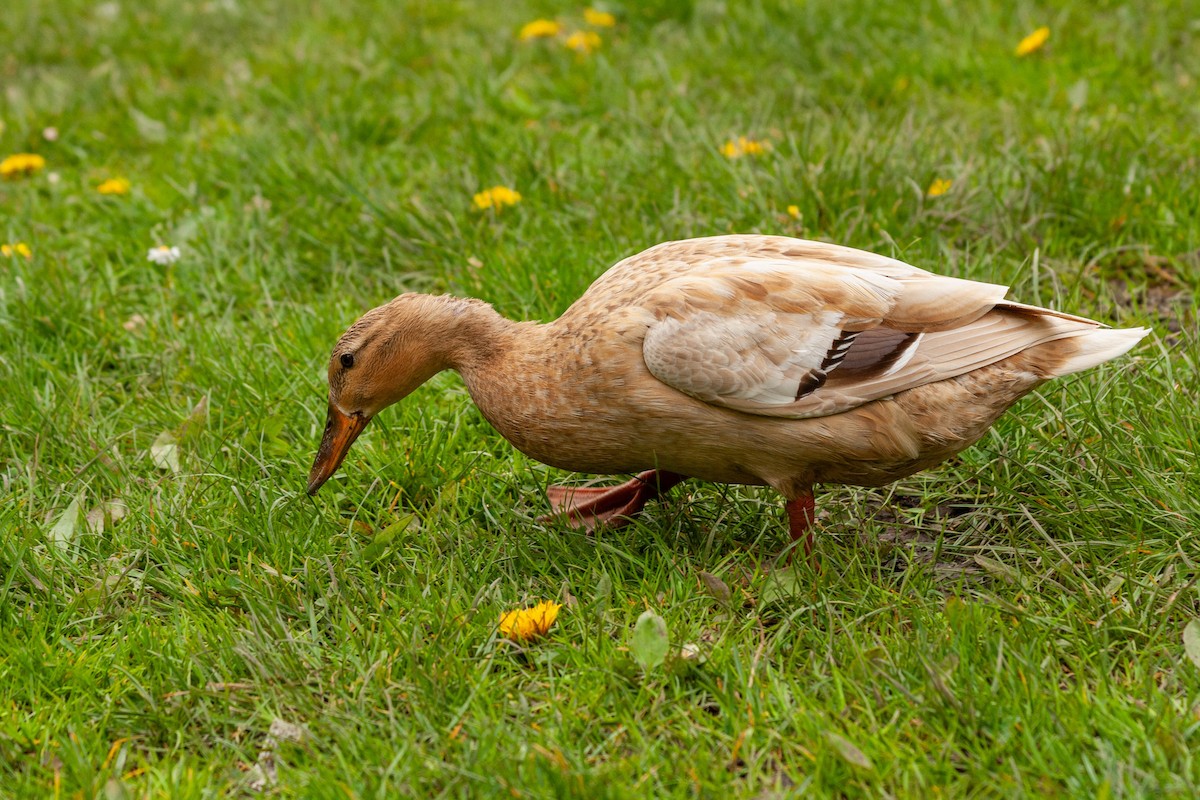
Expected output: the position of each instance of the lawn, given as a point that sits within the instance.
(180, 620)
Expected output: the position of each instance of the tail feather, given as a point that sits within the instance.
(1097, 346)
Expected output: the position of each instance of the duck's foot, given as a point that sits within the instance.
(802, 513)
(589, 507)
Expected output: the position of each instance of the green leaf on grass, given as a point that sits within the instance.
(384, 541)
(602, 593)
(1191, 641)
(784, 584)
(650, 640)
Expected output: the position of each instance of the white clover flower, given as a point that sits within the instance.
(163, 254)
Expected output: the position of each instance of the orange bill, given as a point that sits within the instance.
(340, 432)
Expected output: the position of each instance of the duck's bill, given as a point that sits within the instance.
(340, 432)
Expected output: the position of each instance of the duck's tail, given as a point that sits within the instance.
(1076, 343)
(1096, 346)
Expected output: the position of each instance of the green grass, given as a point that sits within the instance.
(1009, 624)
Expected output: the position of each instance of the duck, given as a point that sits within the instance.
(740, 359)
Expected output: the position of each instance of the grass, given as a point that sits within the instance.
(1009, 624)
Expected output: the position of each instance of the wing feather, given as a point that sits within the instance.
(808, 329)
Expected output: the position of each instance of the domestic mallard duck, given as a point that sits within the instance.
(759, 360)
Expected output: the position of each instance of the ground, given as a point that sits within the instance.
(180, 620)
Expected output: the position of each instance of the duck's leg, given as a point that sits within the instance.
(802, 513)
(589, 507)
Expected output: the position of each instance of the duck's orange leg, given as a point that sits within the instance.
(589, 507)
(802, 513)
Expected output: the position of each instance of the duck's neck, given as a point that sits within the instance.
(477, 338)
(511, 369)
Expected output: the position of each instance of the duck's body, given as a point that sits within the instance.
(737, 359)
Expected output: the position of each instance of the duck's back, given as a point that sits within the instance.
(785, 327)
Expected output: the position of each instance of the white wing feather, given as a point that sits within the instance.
(777, 336)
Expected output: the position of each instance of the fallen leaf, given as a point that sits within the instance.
(651, 641)
(115, 790)
(849, 753)
(265, 772)
(1077, 95)
(998, 569)
(717, 588)
(148, 128)
(1191, 641)
(110, 511)
(164, 452)
(63, 532)
(195, 420)
(93, 596)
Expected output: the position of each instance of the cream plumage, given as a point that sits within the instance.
(741, 359)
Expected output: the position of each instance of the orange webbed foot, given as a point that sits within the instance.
(589, 507)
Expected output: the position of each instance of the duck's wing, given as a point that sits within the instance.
(808, 335)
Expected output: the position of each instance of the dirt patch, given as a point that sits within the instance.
(1168, 305)
(1161, 288)
(929, 534)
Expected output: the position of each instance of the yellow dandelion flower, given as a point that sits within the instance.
(1033, 41)
(539, 29)
(598, 19)
(114, 186)
(583, 42)
(741, 146)
(524, 624)
(19, 165)
(794, 211)
(16, 249)
(939, 187)
(496, 198)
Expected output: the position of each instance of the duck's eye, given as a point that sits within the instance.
(347, 360)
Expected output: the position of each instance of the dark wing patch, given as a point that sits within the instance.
(833, 359)
(839, 349)
(875, 351)
(811, 382)
(858, 355)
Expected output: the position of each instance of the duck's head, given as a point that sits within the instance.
(378, 361)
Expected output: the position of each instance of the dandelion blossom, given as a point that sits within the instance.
(1033, 41)
(583, 42)
(524, 624)
(114, 186)
(163, 255)
(939, 187)
(741, 146)
(598, 19)
(539, 29)
(793, 211)
(496, 198)
(16, 249)
(21, 164)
